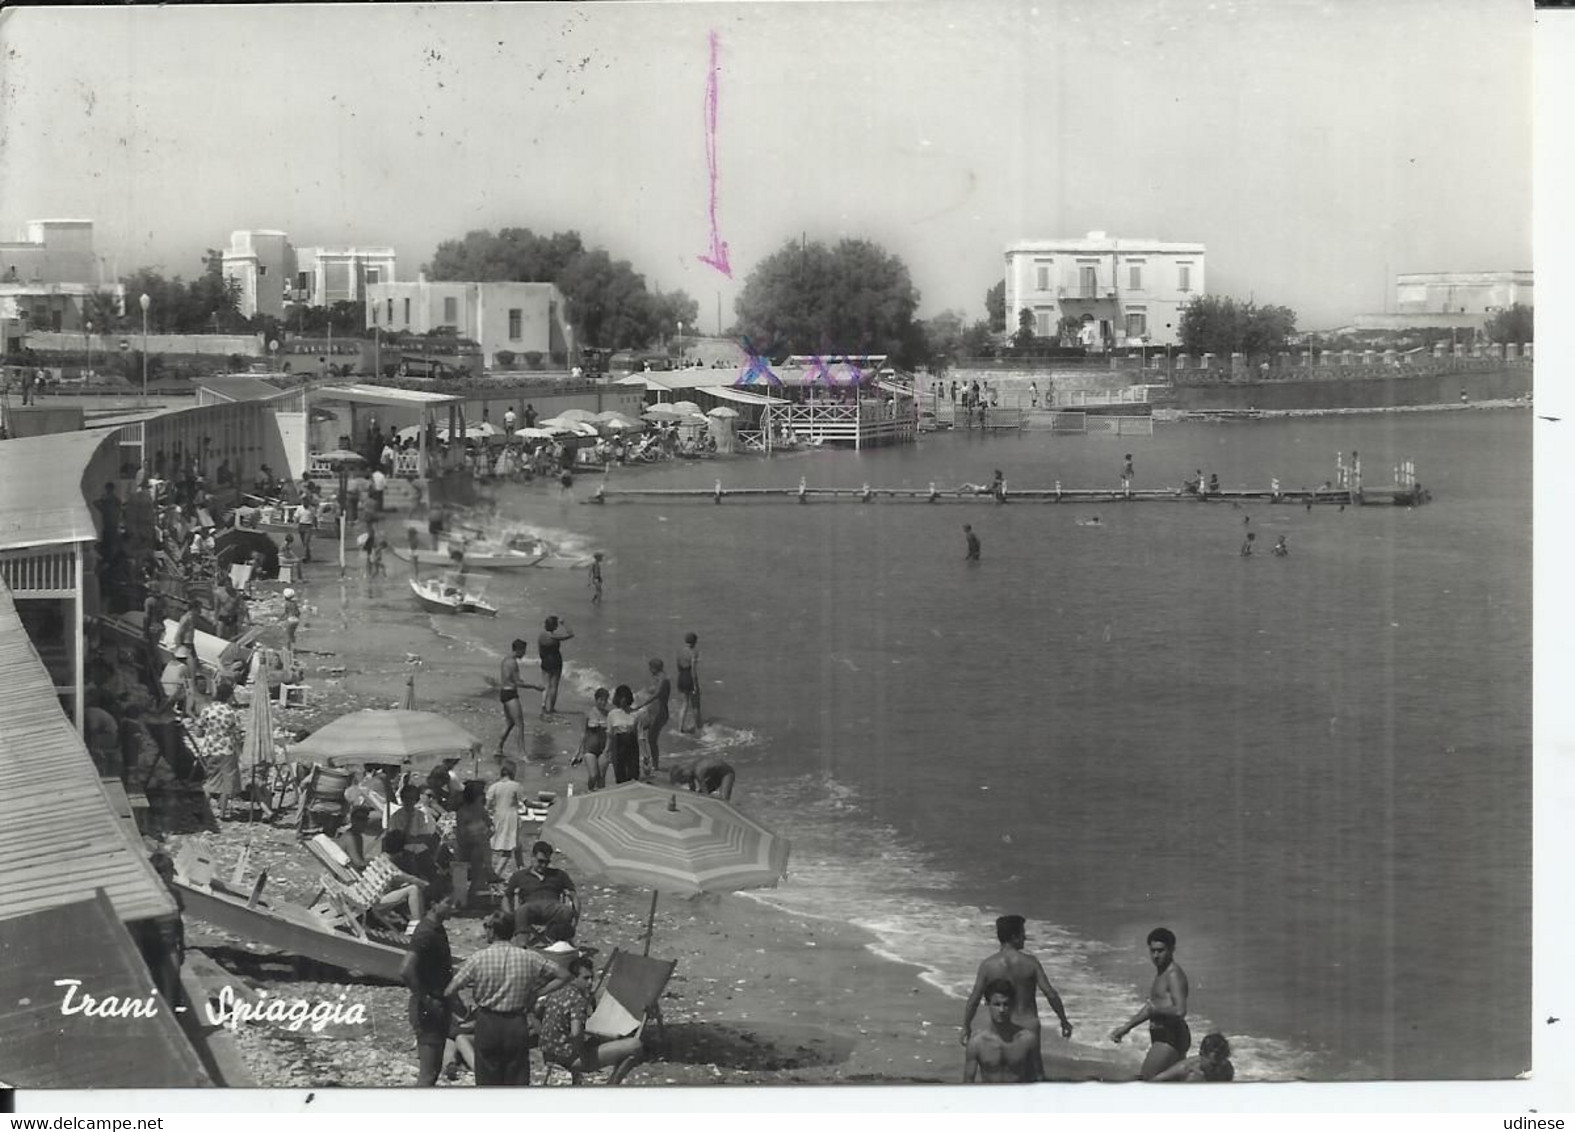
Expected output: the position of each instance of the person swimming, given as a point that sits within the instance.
(1280, 549)
(1094, 521)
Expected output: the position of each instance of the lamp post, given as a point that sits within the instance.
(146, 303)
(87, 336)
(680, 345)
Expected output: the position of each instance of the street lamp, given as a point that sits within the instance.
(146, 303)
(680, 345)
(87, 336)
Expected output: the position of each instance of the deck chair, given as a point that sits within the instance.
(629, 995)
(361, 905)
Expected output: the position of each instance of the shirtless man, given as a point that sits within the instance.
(1005, 1051)
(1024, 976)
(509, 685)
(1166, 1009)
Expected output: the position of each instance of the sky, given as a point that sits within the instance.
(1315, 148)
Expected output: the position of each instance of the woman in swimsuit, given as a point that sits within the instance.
(689, 684)
(653, 717)
(622, 741)
(593, 742)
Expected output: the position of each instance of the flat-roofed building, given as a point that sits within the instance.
(262, 263)
(519, 318)
(328, 275)
(1124, 291)
(49, 280)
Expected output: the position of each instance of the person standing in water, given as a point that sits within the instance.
(1025, 976)
(550, 647)
(1246, 546)
(973, 544)
(596, 578)
(689, 684)
(509, 685)
(1280, 549)
(1166, 1010)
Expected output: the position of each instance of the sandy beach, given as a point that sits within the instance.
(760, 996)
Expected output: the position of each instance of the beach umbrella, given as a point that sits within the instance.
(576, 415)
(654, 837)
(340, 456)
(688, 407)
(722, 412)
(534, 433)
(661, 413)
(396, 736)
(622, 426)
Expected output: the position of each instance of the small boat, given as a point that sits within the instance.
(292, 928)
(477, 556)
(444, 594)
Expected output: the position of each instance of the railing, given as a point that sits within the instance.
(1119, 426)
(1128, 395)
(32, 573)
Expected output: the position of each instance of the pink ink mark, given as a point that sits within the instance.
(718, 254)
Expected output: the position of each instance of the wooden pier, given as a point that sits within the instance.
(1395, 496)
(1345, 490)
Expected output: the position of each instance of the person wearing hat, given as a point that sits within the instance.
(542, 899)
(292, 620)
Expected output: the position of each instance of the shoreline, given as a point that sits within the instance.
(758, 996)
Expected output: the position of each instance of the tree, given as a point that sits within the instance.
(669, 308)
(1513, 324)
(1217, 324)
(853, 299)
(101, 309)
(995, 306)
(943, 340)
(1024, 337)
(514, 255)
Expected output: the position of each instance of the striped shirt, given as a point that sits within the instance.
(505, 979)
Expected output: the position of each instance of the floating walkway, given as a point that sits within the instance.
(1346, 490)
(1396, 496)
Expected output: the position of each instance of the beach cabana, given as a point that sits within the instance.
(363, 407)
(836, 399)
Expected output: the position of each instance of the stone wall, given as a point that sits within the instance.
(1395, 388)
(103, 345)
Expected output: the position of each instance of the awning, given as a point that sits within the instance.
(893, 387)
(41, 489)
(60, 840)
(738, 396)
(383, 395)
(47, 1049)
(644, 381)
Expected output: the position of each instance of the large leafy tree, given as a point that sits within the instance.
(995, 306)
(1218, 324)
(852, 299)
(208, 304)
(1513, 324)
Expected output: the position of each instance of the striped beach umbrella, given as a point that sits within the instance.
(657, 838)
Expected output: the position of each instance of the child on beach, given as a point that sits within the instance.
(292, 620)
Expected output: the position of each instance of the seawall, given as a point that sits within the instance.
(1497, 383)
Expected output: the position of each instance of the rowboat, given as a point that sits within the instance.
(291, 928)
(444, 594)
(483, 556)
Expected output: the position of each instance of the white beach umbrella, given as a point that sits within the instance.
(576, 415)
(534, 433)
(687, 407)
(723, 412)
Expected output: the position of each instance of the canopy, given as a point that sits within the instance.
(478, 431)
(740, 397)
(374, 736)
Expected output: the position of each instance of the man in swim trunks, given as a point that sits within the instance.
(1002, 1052)
(706, 775)
(509, 685)
(1026, 977)
(1166, 1009)
(973, 544)
(550, 647)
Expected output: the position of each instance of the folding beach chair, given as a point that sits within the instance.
(629, 995)
(358, 906)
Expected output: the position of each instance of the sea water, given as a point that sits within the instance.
(1315, 769)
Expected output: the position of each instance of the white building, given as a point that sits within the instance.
(328, 275)
(1462, 292)
(262, 263)
(49, 280)
(1126, 292)
(519, 318)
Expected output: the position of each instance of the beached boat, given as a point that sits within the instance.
(444, 594)
(292, 928)
(482, 556)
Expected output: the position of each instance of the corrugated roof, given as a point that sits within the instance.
(59, 837)
(41, 498)
(382, 395)
(42, 1048)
